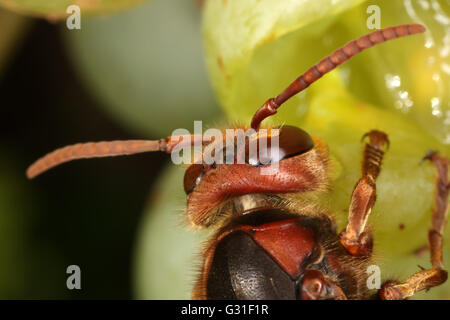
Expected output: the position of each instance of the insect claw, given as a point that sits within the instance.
(428, 156)
(378, 139)
(365, 135)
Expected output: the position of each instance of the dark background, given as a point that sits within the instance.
(77, 211)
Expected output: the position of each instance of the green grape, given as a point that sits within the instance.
(409, 76)
(239, 39)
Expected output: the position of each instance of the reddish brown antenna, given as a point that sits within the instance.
(329, 63)
(109, 149)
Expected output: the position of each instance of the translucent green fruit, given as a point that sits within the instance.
(253, 54)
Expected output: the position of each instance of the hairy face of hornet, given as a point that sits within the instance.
(292, 141)
(267, 245)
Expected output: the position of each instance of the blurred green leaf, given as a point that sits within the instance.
(13, 28)
(56, 9)
(148, 70)
(14, 227)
